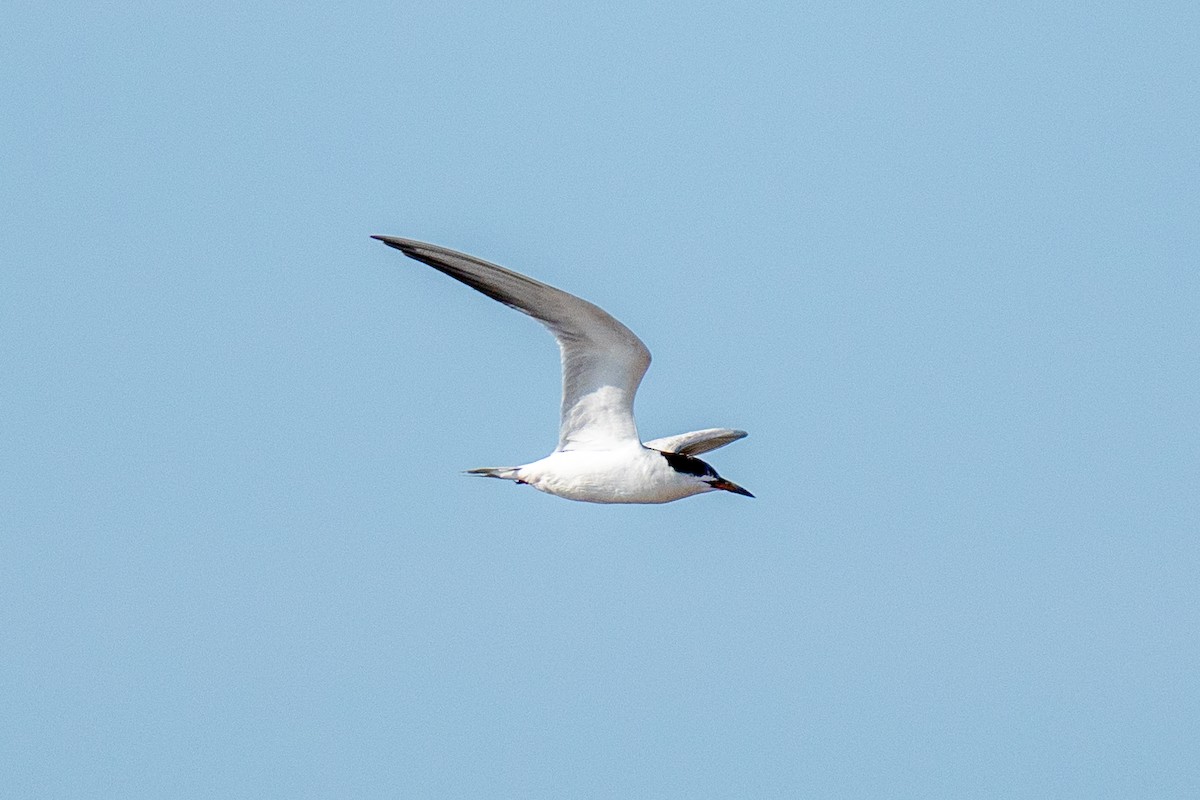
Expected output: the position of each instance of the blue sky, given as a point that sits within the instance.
(940, 260)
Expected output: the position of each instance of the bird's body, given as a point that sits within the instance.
(631, 473)
(600, 458)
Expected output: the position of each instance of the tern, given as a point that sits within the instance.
(600, 458)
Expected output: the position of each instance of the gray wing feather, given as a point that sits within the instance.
(696, 442)
(602, 361)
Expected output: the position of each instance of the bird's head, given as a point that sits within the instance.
(702, 472)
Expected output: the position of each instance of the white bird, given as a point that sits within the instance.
(600, 458)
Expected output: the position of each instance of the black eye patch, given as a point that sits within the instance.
(689, 465)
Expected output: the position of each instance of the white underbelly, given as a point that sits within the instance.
(621, 476)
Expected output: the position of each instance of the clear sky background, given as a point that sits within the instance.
(941, 261)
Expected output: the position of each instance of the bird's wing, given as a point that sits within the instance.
(696, 442)
(602, 361)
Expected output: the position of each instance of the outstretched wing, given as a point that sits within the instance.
(602, 361)
(696, 442)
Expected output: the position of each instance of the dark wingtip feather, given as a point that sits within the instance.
(408, 248)
(391, 241)
(441, 264)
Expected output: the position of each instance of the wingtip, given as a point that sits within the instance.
(403, 245)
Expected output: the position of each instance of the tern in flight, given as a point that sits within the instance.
(600, 458)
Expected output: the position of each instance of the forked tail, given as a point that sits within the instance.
(503, 473)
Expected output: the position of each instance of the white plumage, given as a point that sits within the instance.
(600, 458)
